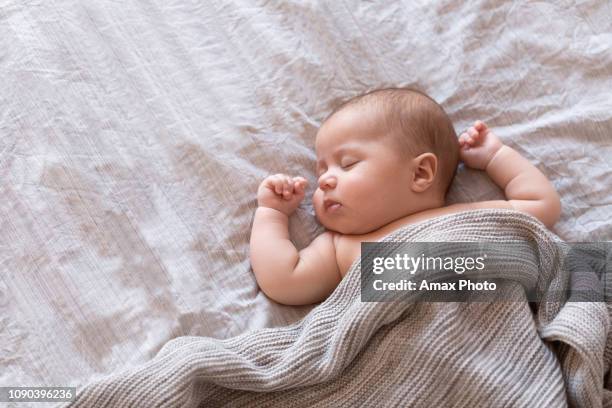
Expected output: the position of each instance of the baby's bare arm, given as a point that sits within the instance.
(283, 273)
(525, 187)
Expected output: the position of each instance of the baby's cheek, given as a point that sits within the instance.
(317, 200)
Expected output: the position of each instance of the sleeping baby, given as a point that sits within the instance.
(385, 159)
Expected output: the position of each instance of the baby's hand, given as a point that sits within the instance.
(478, 145)
(281, 192)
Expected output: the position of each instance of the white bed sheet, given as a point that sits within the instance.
(134, 135)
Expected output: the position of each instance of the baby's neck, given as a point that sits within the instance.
(424, 205)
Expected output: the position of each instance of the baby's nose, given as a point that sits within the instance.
(326, 182)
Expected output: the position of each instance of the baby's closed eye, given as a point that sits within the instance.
(347, 164)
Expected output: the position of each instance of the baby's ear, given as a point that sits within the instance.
(425, 169)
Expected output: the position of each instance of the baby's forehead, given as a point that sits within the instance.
(336, 142)
(351, 125)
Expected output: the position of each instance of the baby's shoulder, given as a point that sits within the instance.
(327, 239)
(433, 213)
(453, 208)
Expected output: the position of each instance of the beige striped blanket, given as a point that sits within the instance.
(346, 352)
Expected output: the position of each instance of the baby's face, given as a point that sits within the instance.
(363, 179)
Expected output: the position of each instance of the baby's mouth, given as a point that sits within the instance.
(331, 205)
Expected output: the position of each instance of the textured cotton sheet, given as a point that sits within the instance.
(133, 136)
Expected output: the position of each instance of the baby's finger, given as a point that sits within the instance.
(286, 188)
(298, 187)
(289, 184)
(278, 185)
(291, 181)
(271, 182)
(301, 181)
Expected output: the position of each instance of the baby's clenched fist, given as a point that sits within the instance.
(281, 192)
(478, 145)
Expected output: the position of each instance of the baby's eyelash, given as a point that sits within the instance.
(350, 164)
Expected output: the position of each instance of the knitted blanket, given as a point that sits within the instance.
(346, 352)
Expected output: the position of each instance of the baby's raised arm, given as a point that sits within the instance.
(284, 274)
(525, 187)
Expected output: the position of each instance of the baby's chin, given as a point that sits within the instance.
(329, 224)
(345, 226)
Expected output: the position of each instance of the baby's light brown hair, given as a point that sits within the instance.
(417, 123)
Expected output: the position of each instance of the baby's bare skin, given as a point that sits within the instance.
(366, 191)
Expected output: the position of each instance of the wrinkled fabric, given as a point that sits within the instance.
(134, 136)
